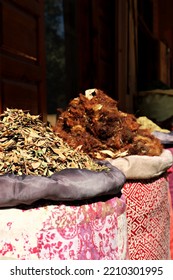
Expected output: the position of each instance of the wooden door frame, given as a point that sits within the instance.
(121, 52)
(23, 73)
(125, 58)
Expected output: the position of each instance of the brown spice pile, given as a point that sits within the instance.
(94, 123)
(28, 146)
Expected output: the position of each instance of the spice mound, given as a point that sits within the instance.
(149, 124)
(94, 123)
(29, 146)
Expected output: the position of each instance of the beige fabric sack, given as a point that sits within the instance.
(143, 167)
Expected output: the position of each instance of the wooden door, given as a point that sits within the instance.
(22, 56)
(95, 43)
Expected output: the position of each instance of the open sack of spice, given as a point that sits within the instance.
(37, 164)
(164, 135)
(93, 123)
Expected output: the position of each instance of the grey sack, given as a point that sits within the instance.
(66, 185)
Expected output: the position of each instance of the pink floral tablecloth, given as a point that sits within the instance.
(95, 231)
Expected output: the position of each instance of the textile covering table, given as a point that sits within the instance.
(148, 206)
(97, 230)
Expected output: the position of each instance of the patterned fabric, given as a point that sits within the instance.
(148, 219)
(171, 226)
(96, 231)
(170, 178)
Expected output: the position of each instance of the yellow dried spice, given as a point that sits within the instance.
(29, 146)
(146, 123)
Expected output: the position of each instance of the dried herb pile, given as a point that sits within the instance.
(94, 123)
(29, 146)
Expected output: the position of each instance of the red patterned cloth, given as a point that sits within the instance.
(148, 219)
(170, 178)
(171, 225)
(59, 232)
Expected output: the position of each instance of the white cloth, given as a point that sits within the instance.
(143, 167)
